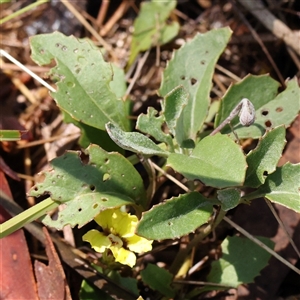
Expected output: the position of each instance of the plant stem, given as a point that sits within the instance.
(183, 253)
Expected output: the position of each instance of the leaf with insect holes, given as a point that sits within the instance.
(258, 89)
(175, 217)
(264, 158)
(216, 160)
(108, 180)
(241, 261)
(84, 79)
(152, 125)
(134, 141)
(271, 110)
(151, 27)
(192, 66)
(282, 187)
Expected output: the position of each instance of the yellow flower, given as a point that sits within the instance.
(118, 236)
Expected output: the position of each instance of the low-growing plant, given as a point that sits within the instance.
(89, 93)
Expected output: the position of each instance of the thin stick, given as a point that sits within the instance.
(13, 67)
(137, 73)
(228, 73)
(170, 177)
(294, 57)
(50, 139)
(21, 66)
(275, 214)
(262, 45)
(87, 25)
(102, 12)
(23, 88)
(123, 7)
(262, 245)
(205, 283)
(277, 27)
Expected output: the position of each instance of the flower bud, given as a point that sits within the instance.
(247, 113)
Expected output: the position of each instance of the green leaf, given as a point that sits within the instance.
(127, 282)
(134, 141)
(27, 216)
(108, 180)
(193, 67)
(150, 27)
(84, 79)
(229, 198)
(216, 160)
(241, 262)
(282, 110)
(11, 135)
(158, 279)
(270, 111)
(92, 135)
(175, 217)
(118, 84)
(282, 187)
(83, 208)
(173, 106)
(264, 158)
(152, 125)
(88, 292)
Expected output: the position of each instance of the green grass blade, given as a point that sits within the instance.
(27, 216)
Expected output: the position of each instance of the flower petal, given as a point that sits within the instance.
(124, 224)
(117, 222)
(97, 239)
(104, 218)
(139, 244)
(123, 256)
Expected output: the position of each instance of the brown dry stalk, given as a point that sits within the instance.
(278, 28)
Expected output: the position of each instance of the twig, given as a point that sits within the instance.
(262, 245)
(294, 56)
(21, 66)
(22, 88)
(275, 214)
(219, 83)
(260, 42)
(102, 12)
(137, 73)
(277, 27)
(228, 73)
(170, 177)
(115, 17)
(87, 25)
(50, 139)
(12, 67)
